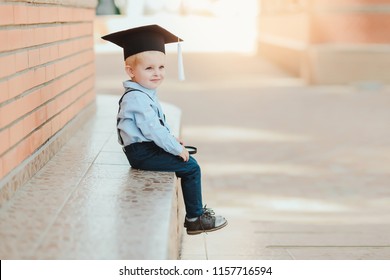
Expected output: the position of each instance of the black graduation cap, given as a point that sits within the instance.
(143, 38)
(146, 38)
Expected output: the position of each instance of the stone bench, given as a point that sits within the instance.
(87, 203)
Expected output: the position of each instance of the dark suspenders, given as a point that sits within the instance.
(117, 119)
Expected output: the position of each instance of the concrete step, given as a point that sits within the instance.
(87, 202)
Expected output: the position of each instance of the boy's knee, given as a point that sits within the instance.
(194, 166)
(191, 169)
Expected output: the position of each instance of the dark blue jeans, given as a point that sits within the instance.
(149, 156)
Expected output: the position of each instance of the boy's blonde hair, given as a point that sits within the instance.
(133, 59)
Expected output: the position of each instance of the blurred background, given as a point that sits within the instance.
(322, 42)
(287, 102)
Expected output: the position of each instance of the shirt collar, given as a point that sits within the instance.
(133, 85)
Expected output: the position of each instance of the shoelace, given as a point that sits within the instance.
(208, 211)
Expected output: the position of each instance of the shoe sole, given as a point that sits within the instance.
(195, 232)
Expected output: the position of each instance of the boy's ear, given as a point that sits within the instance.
(129, 71)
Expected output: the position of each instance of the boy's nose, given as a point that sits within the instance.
(157, 72)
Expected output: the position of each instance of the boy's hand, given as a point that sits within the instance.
(184, 154)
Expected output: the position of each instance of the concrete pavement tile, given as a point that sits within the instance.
(193, 257)
(279, 256)
(327, 239)
(107, 171)
(114, 158)
(193, 244)
(340, 253)
(112, 145)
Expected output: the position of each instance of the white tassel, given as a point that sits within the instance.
(180, 65)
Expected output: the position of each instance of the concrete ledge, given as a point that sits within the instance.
(87, 203)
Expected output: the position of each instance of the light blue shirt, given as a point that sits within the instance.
(141, 119)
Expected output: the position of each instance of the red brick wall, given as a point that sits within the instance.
(46, 73)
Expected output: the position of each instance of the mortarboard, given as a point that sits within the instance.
(145, 38)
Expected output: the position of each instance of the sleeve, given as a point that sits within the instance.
(148, 122)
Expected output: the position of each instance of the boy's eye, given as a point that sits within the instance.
(162, 67)
(148, 68)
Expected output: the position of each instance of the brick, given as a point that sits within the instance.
(21, 61)
(6, 15)
(40, 116)
(7, 63)
(45, 35)
(46, 131)
(10, 160)
(4, 91)
(23, 150)
(53, 33)
(51, 109)
(15, 39)
(81, 29)
(39, 76)
(33, 14)
(33, 58)
(65, 49)
(4, 140)
(48, 14)
(35, 141)
(8, 113)
(28, 124)
(65, 14)
(31, 101)
(20, 14)
(20, 83)
(11, 39)
(54, 53)
(3, 42)
(39, 37)
(62, 67)
(65, 32)
(28, 35)
(45, 55)
(16, 132)
(50, 72)
(56, 124)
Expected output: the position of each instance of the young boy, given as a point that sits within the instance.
(142, 128)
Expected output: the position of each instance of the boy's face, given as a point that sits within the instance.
(148, 69)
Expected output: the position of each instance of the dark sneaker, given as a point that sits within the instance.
(205, 223)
